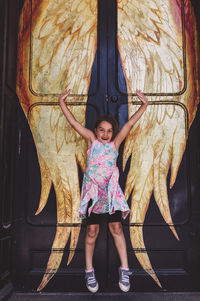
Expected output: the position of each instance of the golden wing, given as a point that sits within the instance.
(155, 53)
(57, 45)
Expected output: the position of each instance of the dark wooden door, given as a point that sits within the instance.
(175, 262)
(35, 234)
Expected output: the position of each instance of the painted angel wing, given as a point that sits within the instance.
(154, 51)
(56, 51)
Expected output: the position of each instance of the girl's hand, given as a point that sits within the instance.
(142, 97)
(64, 95)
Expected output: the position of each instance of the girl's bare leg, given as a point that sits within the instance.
(90, 239)
(120, 242)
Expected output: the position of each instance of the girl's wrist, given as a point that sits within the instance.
(61, 99)
(144, 105)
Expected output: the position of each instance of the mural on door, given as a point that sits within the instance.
(157, 42)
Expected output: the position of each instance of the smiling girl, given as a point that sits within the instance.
(101, 193)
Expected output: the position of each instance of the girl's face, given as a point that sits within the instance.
(104, 132)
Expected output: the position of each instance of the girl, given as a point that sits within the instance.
(101, 193)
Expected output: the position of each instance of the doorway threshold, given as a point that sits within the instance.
(160, 296)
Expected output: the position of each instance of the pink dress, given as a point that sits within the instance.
(100, 182)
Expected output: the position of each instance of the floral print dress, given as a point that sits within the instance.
(100, 182)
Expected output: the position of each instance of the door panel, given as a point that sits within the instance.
(179, 194)
(152, 46)
(55, 43)
(47, 217)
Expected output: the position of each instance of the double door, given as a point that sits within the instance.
(174, 261)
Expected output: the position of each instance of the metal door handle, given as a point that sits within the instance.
(114, 98)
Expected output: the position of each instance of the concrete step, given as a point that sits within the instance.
(174, 296)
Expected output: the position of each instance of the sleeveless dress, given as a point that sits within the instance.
(100, 182)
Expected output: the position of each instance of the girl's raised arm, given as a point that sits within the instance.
(85, 133)
(130, 123)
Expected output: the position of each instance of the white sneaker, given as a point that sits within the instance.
(124, 281)
(91, 282)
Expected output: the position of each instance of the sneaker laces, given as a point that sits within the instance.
(124, 276)
(90, 277)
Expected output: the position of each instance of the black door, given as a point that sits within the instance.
(175, 262)
(173, 259)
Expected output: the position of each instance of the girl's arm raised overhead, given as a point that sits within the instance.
(130, 123)
(85, 133)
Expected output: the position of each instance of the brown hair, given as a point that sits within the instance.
(111, 120)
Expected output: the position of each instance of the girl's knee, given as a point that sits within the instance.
(115, 228)
(92, 231)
